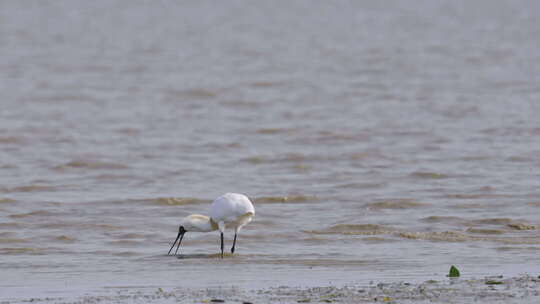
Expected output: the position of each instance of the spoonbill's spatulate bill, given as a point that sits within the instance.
(229, 210)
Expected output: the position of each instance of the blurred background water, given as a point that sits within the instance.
(378, 140)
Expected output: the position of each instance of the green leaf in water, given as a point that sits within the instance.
(454, 272)
(493, 282)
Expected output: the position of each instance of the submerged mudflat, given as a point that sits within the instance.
(495, 289)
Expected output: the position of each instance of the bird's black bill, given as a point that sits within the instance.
(176, 252)
(180, 234)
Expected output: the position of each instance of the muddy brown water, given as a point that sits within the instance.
(378, 141)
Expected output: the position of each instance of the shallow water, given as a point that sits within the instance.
(377, 141)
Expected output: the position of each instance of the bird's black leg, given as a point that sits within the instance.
(222, 245)
(234, 243)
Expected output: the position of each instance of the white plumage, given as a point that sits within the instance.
(229, 210)
(232, 208)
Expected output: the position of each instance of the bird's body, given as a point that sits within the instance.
(229, 210)
(232, 209)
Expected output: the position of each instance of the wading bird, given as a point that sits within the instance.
(229, 210)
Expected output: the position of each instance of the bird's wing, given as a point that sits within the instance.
(220, 208)
(230, 206)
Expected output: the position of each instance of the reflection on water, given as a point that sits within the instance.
(392, 150)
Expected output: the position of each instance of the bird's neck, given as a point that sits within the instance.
(201, 223)
(208, 226)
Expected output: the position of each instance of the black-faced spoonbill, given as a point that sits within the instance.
(229, 210)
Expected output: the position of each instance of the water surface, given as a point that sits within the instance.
(378, 141)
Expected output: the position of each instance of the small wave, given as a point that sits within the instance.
(9, 140)
(475, 158)
(458, 236)
(284, 199)
(329, 137)
(354, 229)
(107, 227)
(58, 225)
(115, 177)
(126, 254)
(485, 231)
(291, 157)
(125, 243)
(362, 185)
(11, 240)
(194, 93)
(65, 239)
(521, 159)
(473, 196)
(506, 222)
(468, 206)
(128, 131)
(272, 131)
(302, 167)
(428, 175)
(173, 201)
(472, 234)
(11, 225)
(8, 166)
(33, 213)
(494, 221)
(7, 200)
(13, 251)
(88, 164)
(256, 159)
(73, 225)
(266, 84)
(67, 98)
(447, 236)
(297, 157)
(515, 240)
(460, 112)
(443, 219)
(314, 239)
(397, 204)
(239, 103)
(378, 240)
(318, 262)
(29, 188)
(521, 226)
(463, 196)
(132, 236)
(509, 248)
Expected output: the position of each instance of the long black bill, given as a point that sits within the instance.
(176, 252)
(180, 236)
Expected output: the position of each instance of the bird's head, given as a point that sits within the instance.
(195, 223)
(181, 232)
(181, 229)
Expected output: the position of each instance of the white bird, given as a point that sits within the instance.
(229, 210)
